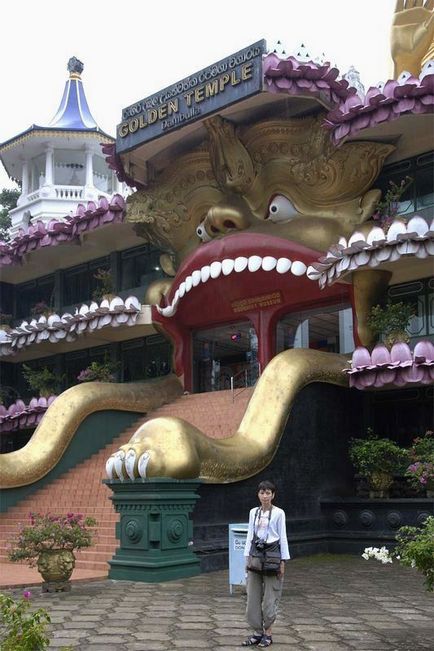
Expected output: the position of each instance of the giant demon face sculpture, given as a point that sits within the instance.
(278, 178)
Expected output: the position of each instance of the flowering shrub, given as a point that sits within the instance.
(49, 531)
(380, 554)
(22, 631)
(388, 207)
(5, 319)
(414, 548)
(98, 372)
(39, 309)
(422, 448)
(105, 284)
(421, 473)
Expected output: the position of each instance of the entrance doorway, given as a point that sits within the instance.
(222, 353)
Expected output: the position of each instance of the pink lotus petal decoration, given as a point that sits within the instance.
(55, 232)
(21, 416)
(399, 367)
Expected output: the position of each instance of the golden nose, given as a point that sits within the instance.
(223, 218)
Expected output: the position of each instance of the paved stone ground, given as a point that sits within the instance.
(330, 603)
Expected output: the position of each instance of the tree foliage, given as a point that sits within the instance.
(8, 201)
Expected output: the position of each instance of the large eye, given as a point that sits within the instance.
(281, 209)
(202, 233)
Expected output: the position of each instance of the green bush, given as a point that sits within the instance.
(23, 631)
(391, 321)
(377, 455)
(415, 548)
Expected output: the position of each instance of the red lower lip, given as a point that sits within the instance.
(242, 244)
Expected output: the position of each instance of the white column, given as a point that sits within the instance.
(33, 178)
(24, 183)
(346, 337)
(301, 339)
(116, 186)
(89, 168)
(47, 190)
(49, 177)
(25, 179)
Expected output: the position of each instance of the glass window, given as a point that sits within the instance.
(328, 329)
(80, 283)
(140, 267)
(223, 353)
(419, 294)
(75, 362)
(420, 193)
(425, 188)
(30, 294)
(133, 360)
(158, 356)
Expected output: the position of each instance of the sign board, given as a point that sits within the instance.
(223, 83)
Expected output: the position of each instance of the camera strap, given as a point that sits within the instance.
(257, 517)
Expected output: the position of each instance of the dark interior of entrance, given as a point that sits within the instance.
(225, 356)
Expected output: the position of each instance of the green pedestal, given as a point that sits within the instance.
(155, 530)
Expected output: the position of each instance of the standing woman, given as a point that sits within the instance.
(266, 526)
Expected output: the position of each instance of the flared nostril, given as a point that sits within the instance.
(228, 223)
(214, 229)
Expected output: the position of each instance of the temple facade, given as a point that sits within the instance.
(232, 239)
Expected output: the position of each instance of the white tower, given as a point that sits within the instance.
(60, 165)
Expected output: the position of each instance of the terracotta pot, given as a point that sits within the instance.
(55, 567)
(379, 484)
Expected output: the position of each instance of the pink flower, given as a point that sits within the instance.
(27, 594)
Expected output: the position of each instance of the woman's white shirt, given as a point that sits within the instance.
(260, 523)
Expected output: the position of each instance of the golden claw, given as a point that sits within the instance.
(171, 447)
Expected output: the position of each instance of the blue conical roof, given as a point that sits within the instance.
(73, 112)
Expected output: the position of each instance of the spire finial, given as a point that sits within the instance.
(75, 67)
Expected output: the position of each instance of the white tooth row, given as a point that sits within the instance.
(225, 268)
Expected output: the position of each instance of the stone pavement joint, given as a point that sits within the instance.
(329, 603)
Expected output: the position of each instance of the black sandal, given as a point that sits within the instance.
(253, 640)
(267, 640)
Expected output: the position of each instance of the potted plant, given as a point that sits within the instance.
(414, 548)
(99, 372)
(5, 321)
(42, 381)
(377, 459)
(391, 322)
(40, 309)
(420, 472)
(105, 285)
(49, 542)
(387, 208)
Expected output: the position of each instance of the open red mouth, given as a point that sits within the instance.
(265, 257)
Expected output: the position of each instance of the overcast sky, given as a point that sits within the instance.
(134, 48)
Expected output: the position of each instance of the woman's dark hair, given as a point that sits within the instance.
(266, 485)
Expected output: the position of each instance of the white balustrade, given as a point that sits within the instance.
(68, 191)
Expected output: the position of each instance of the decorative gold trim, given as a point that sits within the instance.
(62, 419)
(52, 134)
(178, 449)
